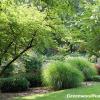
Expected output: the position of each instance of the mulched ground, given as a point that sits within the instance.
(31, 91)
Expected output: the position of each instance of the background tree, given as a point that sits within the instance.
(21, 28)
(40, 24)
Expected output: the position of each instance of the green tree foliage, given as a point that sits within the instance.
(21, 28)
(24, 25)
(39, 24)
(87, 26)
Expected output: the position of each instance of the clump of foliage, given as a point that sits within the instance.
(34, 79)
(33, 62)
(83, 65)
(13, 84)
(56, 57)
(13, 69)
(96, 78)
(8, 71)
(61, 75)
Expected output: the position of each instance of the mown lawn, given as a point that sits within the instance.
(62, 95)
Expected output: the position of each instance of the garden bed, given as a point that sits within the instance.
(38, 90)
(31, 91)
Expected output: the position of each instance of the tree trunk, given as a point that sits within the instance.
(5, 67)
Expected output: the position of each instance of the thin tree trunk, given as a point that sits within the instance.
(5, 67)
(17, 56)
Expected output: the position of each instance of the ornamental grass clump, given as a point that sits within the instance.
(86, 67)
(60, 75)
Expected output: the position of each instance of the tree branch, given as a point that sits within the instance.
(17, 56)
(5, 67)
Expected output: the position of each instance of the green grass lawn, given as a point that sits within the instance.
(62, 95)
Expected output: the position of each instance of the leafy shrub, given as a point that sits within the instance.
(8, 71)
(61, 75)
(56, 57)
(83, 65)
(13, 84)
(96, 78)
(93, 58)
(33, 62)
(75, 54)
(34, 79)
(15, 68)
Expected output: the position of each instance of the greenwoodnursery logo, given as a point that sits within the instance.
(82, 96)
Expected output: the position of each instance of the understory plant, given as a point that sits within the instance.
(13, 84)
(60, 75)
(86, 67)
